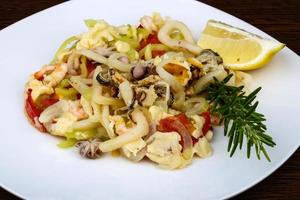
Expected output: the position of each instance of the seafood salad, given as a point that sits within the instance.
(139, 91)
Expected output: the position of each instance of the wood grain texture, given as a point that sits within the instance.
(279, 18)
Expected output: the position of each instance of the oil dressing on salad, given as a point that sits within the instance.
(147, 92)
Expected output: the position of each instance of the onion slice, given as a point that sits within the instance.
(203, 82)
(175, 85)
(141, 129)
(92, 55)
(114, 62)
(188, 42)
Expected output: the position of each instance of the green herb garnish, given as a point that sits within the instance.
(238, 112)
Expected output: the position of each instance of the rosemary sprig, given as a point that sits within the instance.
(238, 112)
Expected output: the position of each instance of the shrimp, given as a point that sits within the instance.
(41, 83)
(63, 106)
(60, 117)
(40, 74)
(148, 23)
(57, 75)
(77, 110)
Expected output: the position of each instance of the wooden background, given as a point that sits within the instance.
(279, 18)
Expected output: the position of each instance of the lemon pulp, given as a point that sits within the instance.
(239, 49)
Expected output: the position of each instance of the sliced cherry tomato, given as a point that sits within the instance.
(186, 122)
(158, 53)
(33, 112)
(207, 124)
(175, 123)
(34, 109)
(165, 125)
(46, 102)
(31, 109)
(90, 66)
(151, 39)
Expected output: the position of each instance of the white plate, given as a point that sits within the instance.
(33, 167)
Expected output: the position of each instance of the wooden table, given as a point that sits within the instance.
(279, 18)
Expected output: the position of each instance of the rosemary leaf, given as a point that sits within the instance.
(238, 112)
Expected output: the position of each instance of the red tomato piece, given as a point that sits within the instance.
(30, 107)
(33, 112)
(186, 122)
(52, 99)
(207, 124)
(158, 53)
(151, 39)
(90, 66)
(174, 124)
(165, 125)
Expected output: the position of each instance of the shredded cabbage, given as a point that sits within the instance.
(66, 93)
(67, 143)
(81, 87)
(133, 55)
(147, 50)
(142, 33)
(82, 135)
(90, 23)
(100, 32)
(65, 46)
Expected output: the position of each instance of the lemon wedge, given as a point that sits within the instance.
(239, 49)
